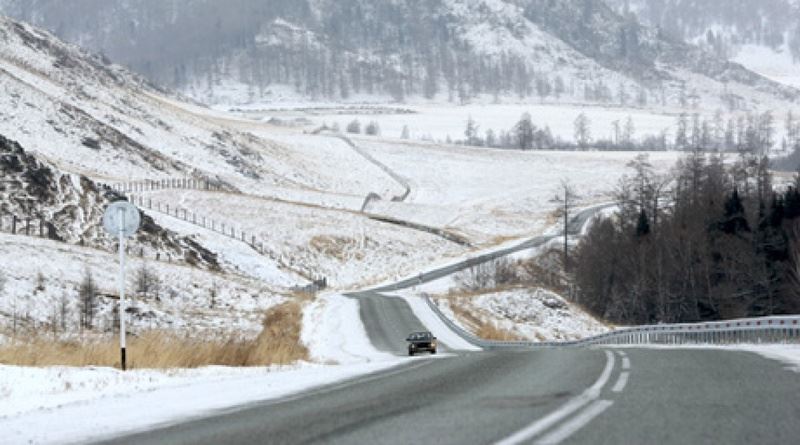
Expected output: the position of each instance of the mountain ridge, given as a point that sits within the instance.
(438, 50)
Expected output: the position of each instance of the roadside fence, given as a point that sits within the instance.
(153, 185)
(222, 227)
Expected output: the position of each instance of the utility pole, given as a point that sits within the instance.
(566, 229)
(569, 195)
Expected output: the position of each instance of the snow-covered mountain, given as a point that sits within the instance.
(91, 118)
(297, 194)
(763, 35)
(248, 51)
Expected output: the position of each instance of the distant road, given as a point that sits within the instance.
(582, 396)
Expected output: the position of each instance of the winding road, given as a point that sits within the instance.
(556, 395)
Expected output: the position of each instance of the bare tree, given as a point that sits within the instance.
(213, 293)
(87, 293)
(148, 284)
(63, 311)
(373, 129)
(354, 127)
(583, 132)
(490, 275)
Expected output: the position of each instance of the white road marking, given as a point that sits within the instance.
(573, 425)
(622, 353)
(626, 363)
(565, 410)
(621, 382)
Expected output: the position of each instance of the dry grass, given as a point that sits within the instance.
(278, 343)
(488, 331)
(338, 247)
(481, 328)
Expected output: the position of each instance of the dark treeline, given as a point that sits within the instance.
(709, 242)
(339, 49)
(748, 133)
(721, 26)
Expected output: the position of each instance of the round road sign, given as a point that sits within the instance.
(121, 217)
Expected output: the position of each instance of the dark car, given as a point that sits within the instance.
(421, 341)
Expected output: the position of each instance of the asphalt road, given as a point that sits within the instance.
(388, 321)
(568, 395)
(545, 396)
(574, 228)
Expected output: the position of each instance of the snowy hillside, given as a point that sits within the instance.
(96, 120)
(762, 35)
(529, 314)
(251, 51)
(71, 207)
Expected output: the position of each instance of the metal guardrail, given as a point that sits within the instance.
(777, 329)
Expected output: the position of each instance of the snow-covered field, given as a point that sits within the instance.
(438, 122)
(491, 195)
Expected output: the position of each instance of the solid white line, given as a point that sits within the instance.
(565, 410)
(626, 363)
(573, 425)
(621, 382)
(622, 353)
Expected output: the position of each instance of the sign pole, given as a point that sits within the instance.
(122, 291)
(121, 219)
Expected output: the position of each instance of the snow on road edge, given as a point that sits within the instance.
(81, 404)
(788, 354)
(334, 333)
(435, 324)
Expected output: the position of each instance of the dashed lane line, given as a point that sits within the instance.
(621, 382)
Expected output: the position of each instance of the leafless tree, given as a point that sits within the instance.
(87, 293)
(148, 283)
(63, 311)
